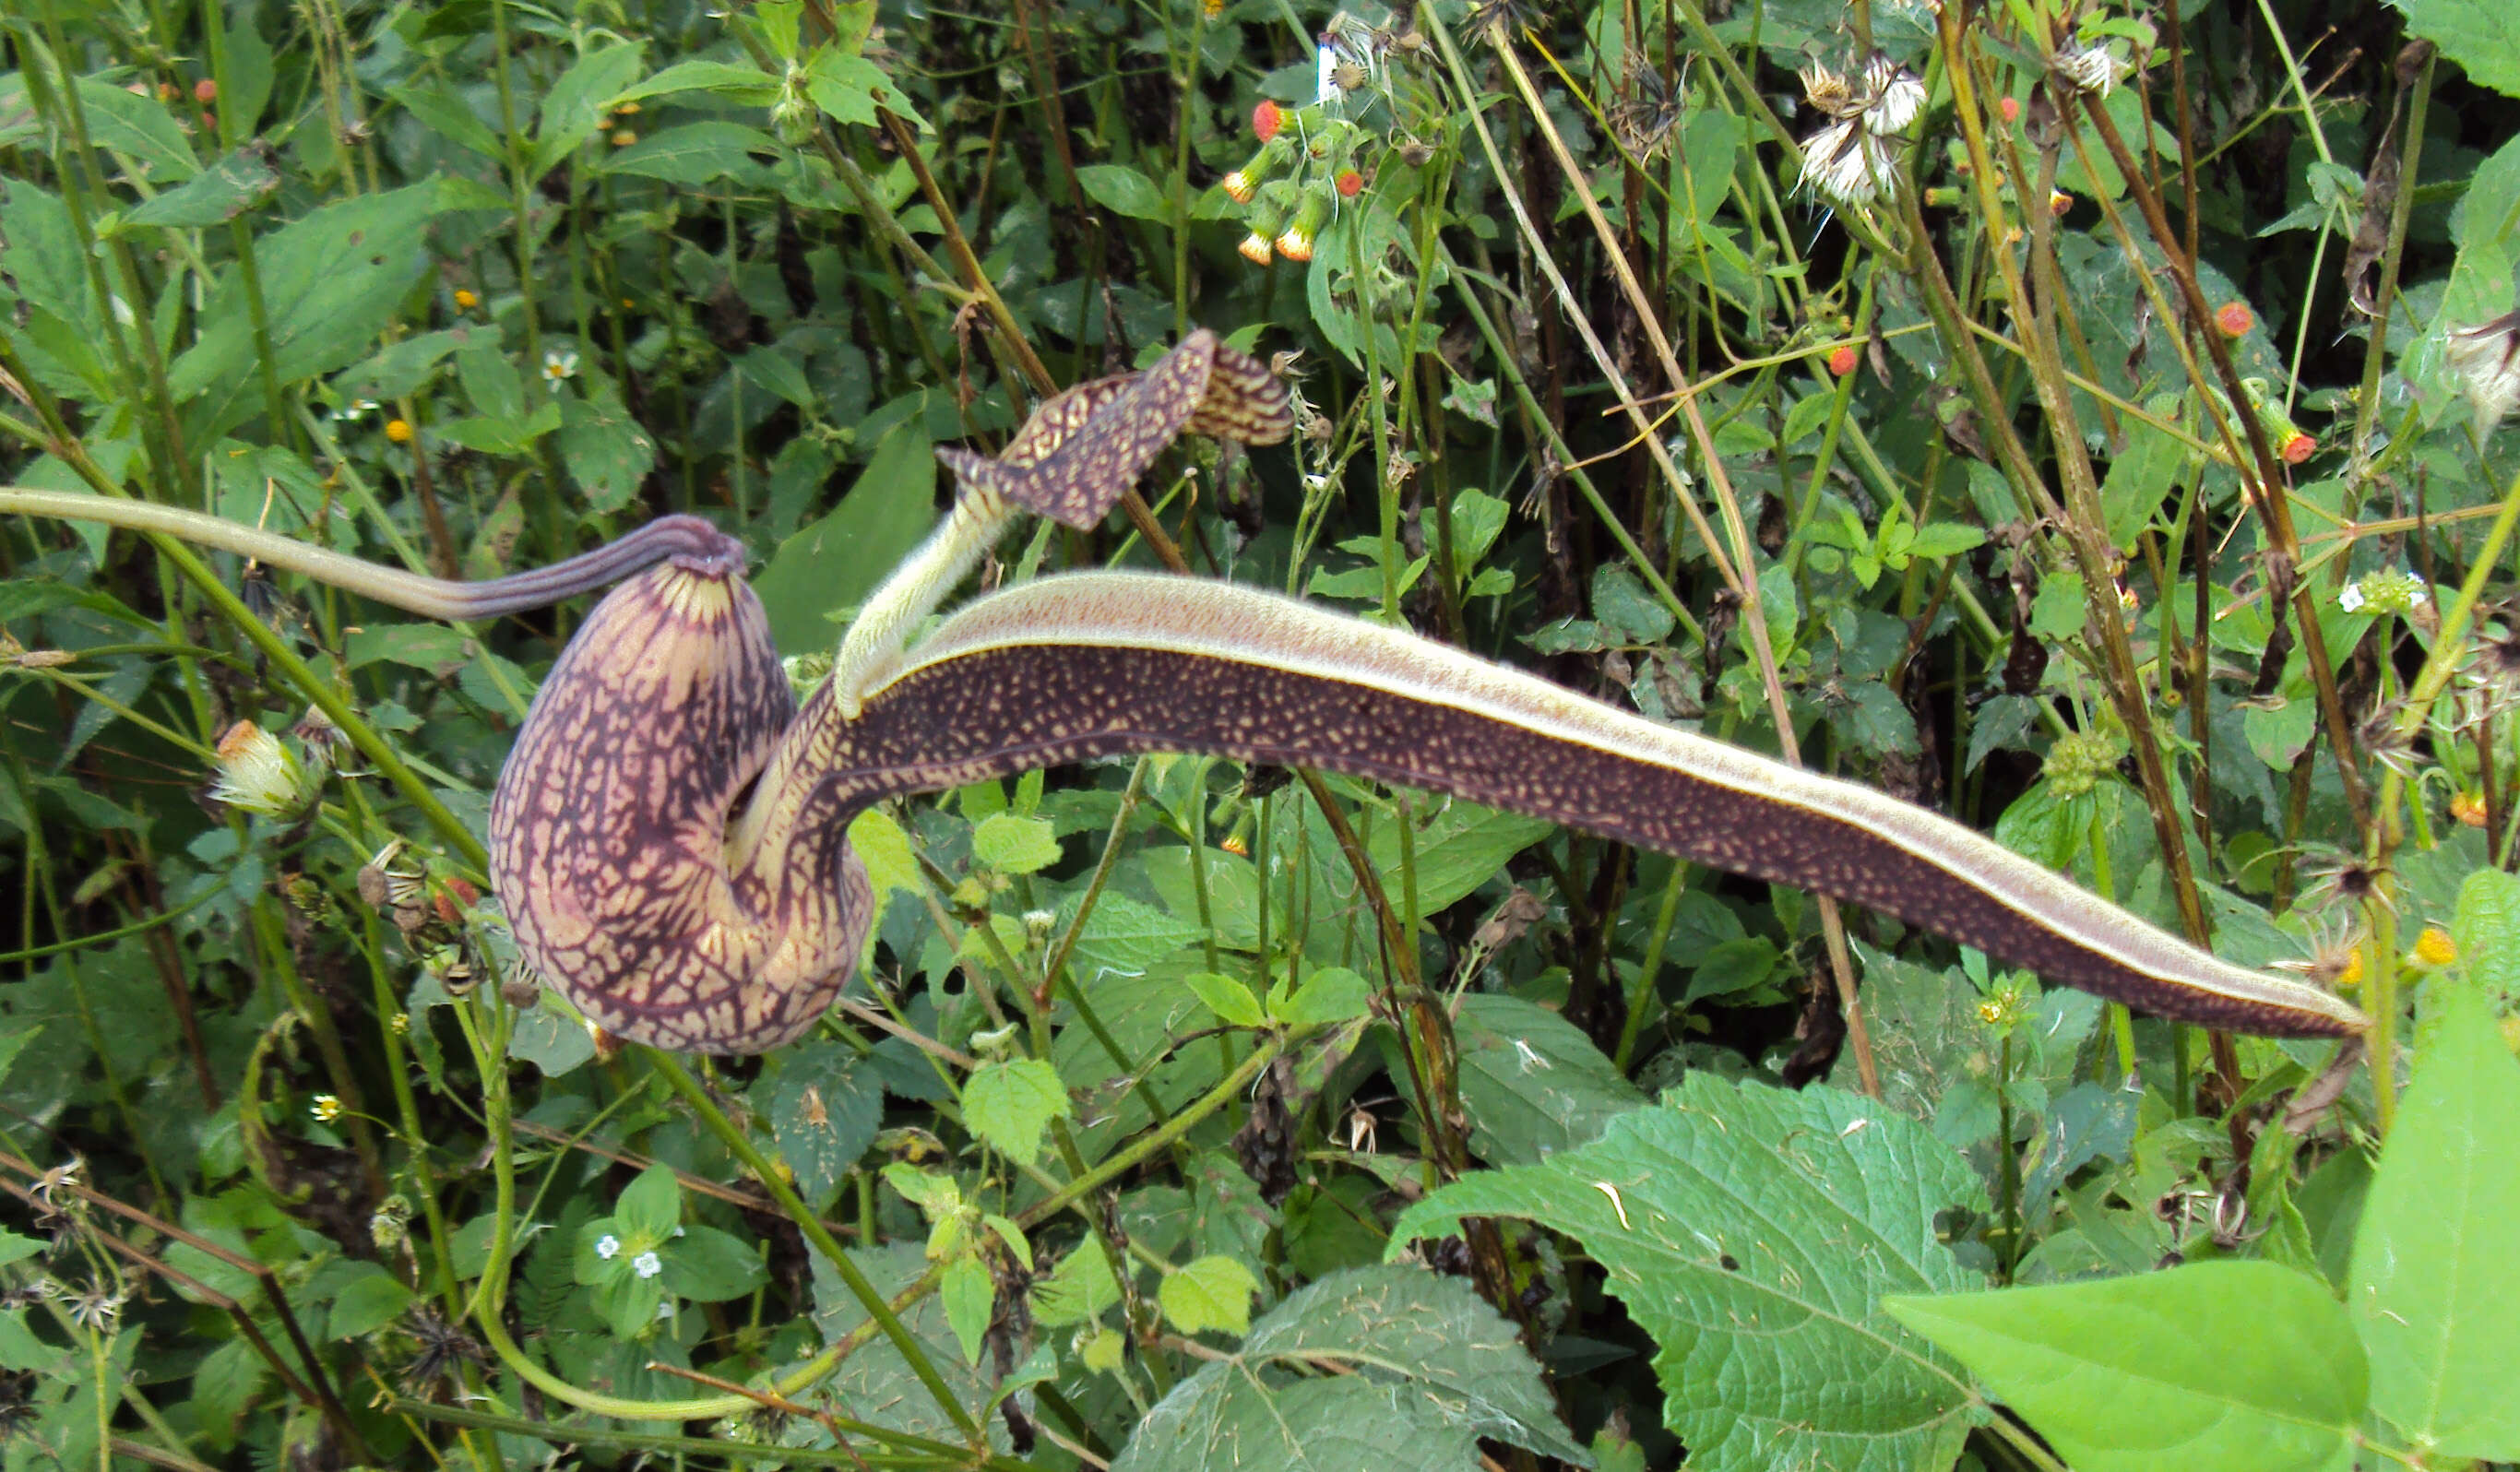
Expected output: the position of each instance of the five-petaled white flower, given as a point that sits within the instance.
(559, 364)
(647, 1265)
(607, 1246)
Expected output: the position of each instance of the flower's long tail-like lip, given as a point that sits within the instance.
(1100, 664)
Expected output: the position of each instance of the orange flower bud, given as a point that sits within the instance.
(2235, 319)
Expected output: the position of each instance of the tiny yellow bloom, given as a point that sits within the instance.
(2435, 947)
(398, 431)
(465, 300)
(623, 138)
(2352, 977)
(2469, 809)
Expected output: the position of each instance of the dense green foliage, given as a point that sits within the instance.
(2094, 433)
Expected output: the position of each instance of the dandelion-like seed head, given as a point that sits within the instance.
(259, 775)
(2089, 69)
(1896, 96)
(2486, 360)
(1847, 165)
(2334, 954)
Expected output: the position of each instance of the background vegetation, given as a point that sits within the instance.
(2107, 457)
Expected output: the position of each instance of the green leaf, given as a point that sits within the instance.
(1752, 1231)
(1435, 1370)
(551, 1039)
(607, 452)
(970, 1295)
(1944, 539)
(1009, 1104)
(217, 194)
(825, 1107)
(368, 1302)
(450, 117)
(1459, 846)
(2488, 931)
(874, 1382)
(748, 85)
(2433, 1288)
(2138, 478)
(1330, 995)
(835, 562)
(849, 88)
(1078, 1289)
(932, 1193)
(137, 127)
(576, 104)
(2240, 1366)
(1015, 845)
(1130, 935)
(710, 1267)
(1621, 601)
(1210, 1295)
(330, 283)
(1229, 998)
(1122, 190)
(652, 1206)
(2482, 35)
(694, 154)
(1531, 1081)
(2058, 610)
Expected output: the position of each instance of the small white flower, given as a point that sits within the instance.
(607, 1247)
(1529, 1060)
(354, 411)
(2350, 597)
(647, 1264)
(560, 364)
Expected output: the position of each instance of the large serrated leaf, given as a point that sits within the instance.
(1434, 1369)
(2432, 1288)
(875, 1383)
(1532, 1082)
(824, 1106)
(1753, 1232)
(330, 284)
(1009, 1104)
(2483, 36)
(2238, 1366)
